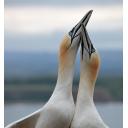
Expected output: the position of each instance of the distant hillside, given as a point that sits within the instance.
(29, 65)
(29, 75)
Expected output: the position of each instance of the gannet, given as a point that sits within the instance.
(86, 114)
(59, 110)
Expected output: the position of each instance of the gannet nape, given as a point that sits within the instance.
(58, 112)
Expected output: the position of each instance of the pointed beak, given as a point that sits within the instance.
(87, 44)
(75, 31)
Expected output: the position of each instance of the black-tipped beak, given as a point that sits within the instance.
(75, 31)
(86, 42)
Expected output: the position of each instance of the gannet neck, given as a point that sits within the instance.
(88, 75)
(86, 114)
(67, 55)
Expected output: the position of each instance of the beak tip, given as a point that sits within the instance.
(90, 12)
(83, 21)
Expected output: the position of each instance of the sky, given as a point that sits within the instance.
(38, 25)
(64, 2)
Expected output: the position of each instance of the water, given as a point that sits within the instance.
(112, 113)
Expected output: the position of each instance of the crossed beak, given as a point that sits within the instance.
(80, 30)
(75, 31)
(86, 42)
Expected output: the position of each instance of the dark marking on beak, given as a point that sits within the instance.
(82, 45)
(74, 32)
(88, 46)
(91, 48)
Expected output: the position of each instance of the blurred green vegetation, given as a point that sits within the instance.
(114, 85)
(40, 89)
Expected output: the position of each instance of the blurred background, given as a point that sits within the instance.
(33, 32)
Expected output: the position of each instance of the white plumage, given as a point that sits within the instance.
(86, 114)
(59, 110)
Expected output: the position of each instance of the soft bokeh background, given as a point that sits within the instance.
(33, 31)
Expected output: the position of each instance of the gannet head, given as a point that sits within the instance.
(90, 60)
(67, 52)
(76, 30)
(70, 42)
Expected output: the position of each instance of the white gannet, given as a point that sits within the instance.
(59, 110)
(86, 114)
